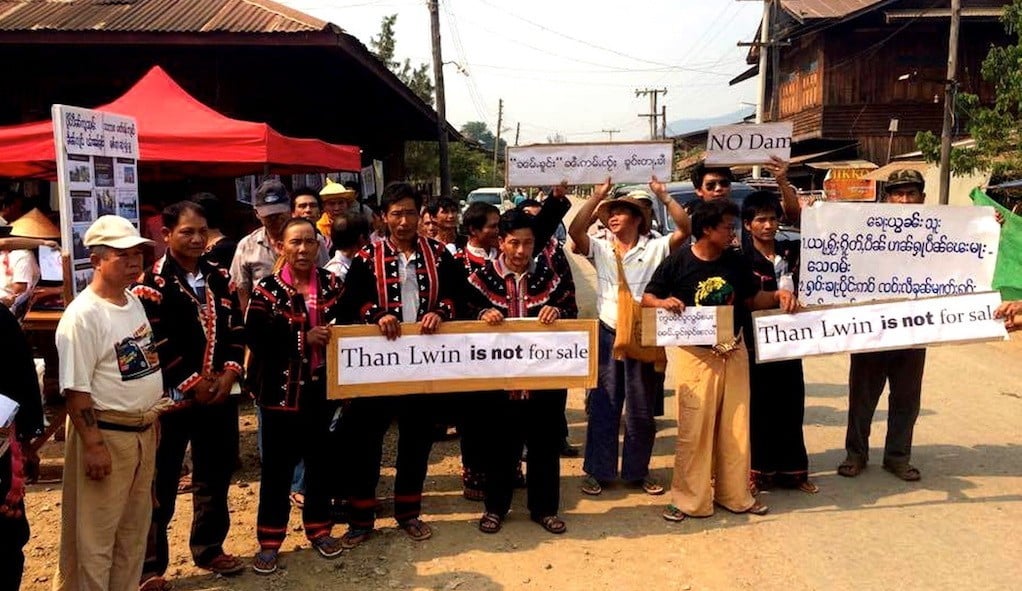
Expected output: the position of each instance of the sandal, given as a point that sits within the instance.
(757, 508)
(298, 500)
(591, 486)
(416, 529)
(328, 546)
(353, 537)
(674, 514)
(156, 583)
(265, 562)
(906, 471)
(552, 524)
(850, 468)
(490, 523)
(224, 565)
(652, 486)
(809, 487)
(184, 484)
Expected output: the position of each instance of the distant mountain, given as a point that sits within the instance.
(682, 126)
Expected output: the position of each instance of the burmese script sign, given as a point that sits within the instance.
(696, 325)
(855, 252)
(730, 145)
(857, 328)
(462, 357)
(588, 164)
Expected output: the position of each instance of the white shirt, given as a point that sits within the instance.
(18, 266)
(406, 269)
(108, 351)
(339, 265)
(639, 263)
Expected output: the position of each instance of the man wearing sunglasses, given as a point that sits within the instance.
(714, 182)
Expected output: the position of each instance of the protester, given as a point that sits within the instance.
(257, 253)
(19, 274)
(110, 377)
(197, 323)
(778, 389)
(517, 285)
(305, 203)
(712, 460)
(479, 224)
(286, 331)
(628, 385)
(335, 199)
(902, 369)
(428, 226)
(20, 461)
(444, 211)
(714, 182)
(349, 234)
(219, 248)
(429, 282)
(379, 224)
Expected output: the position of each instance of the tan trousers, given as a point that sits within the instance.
(104, 523)
(713, 432)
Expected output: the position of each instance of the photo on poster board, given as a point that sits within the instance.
(106, 202)
(127, 204)
(79, 172)
(82, 278)
(103, 167)
(83, 207)
(244, 188)
(124, 172)
(79, 252)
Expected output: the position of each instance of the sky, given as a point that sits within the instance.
(569, 67)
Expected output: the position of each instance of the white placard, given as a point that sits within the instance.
(696, 325)
(855, 252)
(877, 327)
(730, 145)
(51, 266)
(588, 164)
(97, 174)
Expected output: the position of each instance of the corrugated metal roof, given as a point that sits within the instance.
(155, 16)
(804, 9)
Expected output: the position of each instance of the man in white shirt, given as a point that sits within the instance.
(110, 377)
(19, 274)
(625, 385)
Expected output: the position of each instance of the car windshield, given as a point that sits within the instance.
(485, 197)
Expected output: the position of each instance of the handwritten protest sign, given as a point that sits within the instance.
(462, 357)
(697, 325)
(730, 145)
(588, 164)
(877, 327)
(854, 252)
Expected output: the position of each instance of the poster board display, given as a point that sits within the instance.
(858, 328)
(518, 354)
(855, 252)
(97, 174)
(588, 164)
(696, 325)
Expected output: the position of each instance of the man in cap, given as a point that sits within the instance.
(256, 253)
(623, 384)
(902, 369)
(336, 200)
(110, 377)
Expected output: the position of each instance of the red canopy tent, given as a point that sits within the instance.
(178, 137)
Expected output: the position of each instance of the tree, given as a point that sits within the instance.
(479, 132)
(996, 129)
(418, 78)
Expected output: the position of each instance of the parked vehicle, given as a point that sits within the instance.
(496, 196)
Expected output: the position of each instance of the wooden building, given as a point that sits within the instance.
(846, 68)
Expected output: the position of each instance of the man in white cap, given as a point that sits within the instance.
(110, 377)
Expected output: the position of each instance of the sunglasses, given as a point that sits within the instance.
(711, 185)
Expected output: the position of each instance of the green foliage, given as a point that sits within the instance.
(479, 132)
(418, 79)
(997, 128)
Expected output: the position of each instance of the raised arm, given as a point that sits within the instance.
(682, 223)
(580, 224)
(789, 199)
(551, 214)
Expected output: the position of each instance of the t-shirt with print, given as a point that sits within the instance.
(108, 351)
(725, 281)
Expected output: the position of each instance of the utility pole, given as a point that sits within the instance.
(441, 104)
(950, 88)
(653, 93)
(610, 133)
(496, 142)
(518, 131)
(663, 122)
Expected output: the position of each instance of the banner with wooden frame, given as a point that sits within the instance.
(461, 358)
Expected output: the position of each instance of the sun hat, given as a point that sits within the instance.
(334, 190)
(640, 202)
(115, 232)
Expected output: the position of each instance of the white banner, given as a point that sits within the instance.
(854, 252)
(730, 145)
(877, 327)
(588, 164)
(697, 325)
(97, 174)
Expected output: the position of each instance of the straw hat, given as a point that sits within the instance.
(332, 190)
(639, 201)
(35, 225)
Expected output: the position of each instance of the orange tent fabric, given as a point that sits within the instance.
(179, 136)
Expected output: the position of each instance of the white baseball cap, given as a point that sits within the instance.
(115, 232)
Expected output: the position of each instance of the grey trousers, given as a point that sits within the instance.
(903, 370)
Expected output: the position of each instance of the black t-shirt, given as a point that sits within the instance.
(726, 281)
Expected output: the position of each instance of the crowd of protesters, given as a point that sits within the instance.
(168, 349)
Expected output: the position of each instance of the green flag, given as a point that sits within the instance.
(1008, 272)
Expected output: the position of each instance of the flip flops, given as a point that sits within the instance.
(906, 471)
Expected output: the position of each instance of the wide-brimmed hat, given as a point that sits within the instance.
(333, 190)
(902, 177)
(115, 232)
(271, 198)
(639, 201)
(35, 224)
